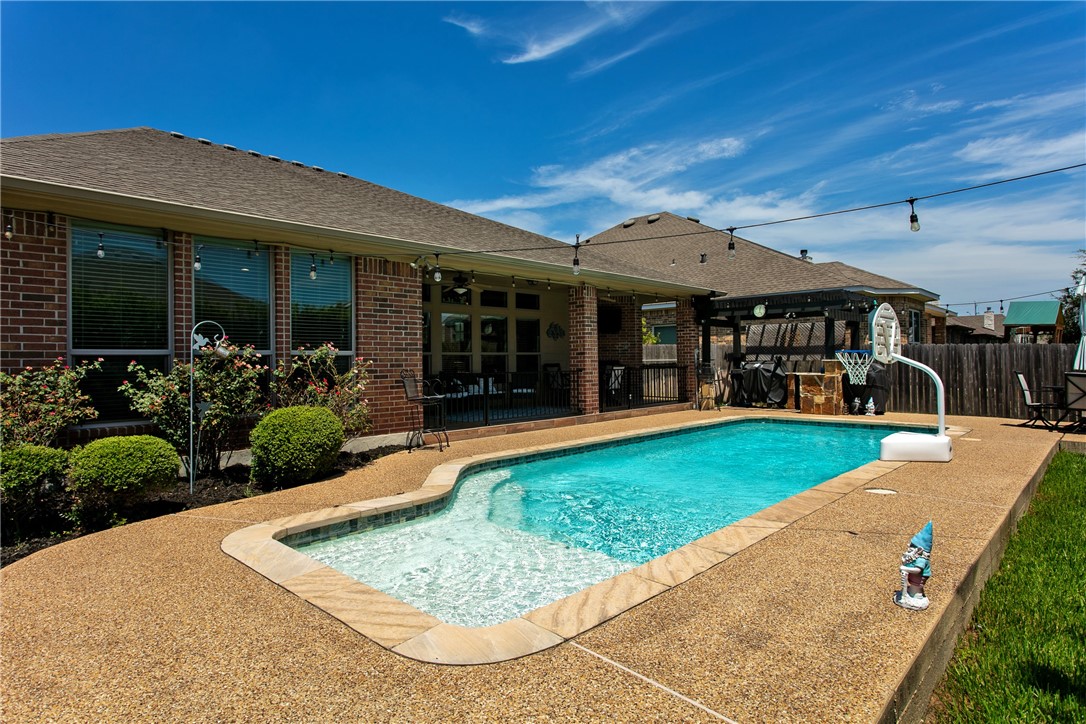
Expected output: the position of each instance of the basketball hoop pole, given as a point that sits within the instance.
(939, 394)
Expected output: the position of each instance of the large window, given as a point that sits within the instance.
(320, 303)
(233, 288)
(456, 342)
(120, 307)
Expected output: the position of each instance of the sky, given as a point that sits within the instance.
(566, 118)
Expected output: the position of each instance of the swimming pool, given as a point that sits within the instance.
(522, 534)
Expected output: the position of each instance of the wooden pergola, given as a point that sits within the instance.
(832, 305)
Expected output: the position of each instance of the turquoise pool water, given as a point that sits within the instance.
(521, 536)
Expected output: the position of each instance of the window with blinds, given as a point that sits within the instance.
(120, 307)
(320, 302)
(233, 287)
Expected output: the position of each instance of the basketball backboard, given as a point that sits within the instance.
(885, 334)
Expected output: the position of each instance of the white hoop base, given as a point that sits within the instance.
(916, 447)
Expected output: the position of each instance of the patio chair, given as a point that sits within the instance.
(1036, 412)
(427, 405)
(1074, 395)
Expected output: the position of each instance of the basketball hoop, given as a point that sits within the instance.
(857, 362)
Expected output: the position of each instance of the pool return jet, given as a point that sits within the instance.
(886, 348)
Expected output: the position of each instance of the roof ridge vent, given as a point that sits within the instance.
(340, 173)
(654, 218)
(228, 147)
(274, 158)
(203, 141)
(297, 163)
(695, 219)
(175, 134)
(255, 154)
(318, 168)
(628, 223)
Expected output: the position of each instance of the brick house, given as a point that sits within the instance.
(117, 243)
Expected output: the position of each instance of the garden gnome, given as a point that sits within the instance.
(915, 571)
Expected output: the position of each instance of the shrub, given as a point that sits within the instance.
(31, 490)
(109, 473)
(36, 405)
(293, 445)
(311, 378)
(229, 387)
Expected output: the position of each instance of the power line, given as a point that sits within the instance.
(1008, 299)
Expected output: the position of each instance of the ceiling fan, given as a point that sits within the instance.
(460, 284)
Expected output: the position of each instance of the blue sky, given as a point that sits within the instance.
(567, 118)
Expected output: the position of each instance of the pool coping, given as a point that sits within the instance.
(405, 630)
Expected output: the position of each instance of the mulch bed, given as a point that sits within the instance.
(233, 484)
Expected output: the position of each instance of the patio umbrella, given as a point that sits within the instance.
(1080, 356)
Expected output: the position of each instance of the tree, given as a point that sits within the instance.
(1071, 302)
(647, 336)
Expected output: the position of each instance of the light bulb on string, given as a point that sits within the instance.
(196, 265)
(731, 242)
(437, 267)
(101, 246)
(313, 266)
(914, 220)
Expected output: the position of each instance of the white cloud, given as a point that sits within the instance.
(1023, 153)
(641, 178)
(555, 27)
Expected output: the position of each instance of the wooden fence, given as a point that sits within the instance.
(978, 379)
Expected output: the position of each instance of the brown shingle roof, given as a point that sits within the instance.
(756, 269)
(174, 169)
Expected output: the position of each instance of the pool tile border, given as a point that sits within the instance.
(402, 628)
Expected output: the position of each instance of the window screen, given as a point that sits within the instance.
(233, 288)
(320, 309)
(120, 308)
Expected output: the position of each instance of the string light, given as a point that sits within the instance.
(196, 265)
(437, 267)
(732, 229)
(312, 266)
(9, 232)
(101, 246)
(1061, 290)
(731, 242)
(914, 220)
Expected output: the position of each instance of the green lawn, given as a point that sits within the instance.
(1023, 657)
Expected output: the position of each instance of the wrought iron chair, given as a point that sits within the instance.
(1036, 412)
(428, 406)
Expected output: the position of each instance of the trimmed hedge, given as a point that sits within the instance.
(294, 445)
(107, 473)
(31, 482)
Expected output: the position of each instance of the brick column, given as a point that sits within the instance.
(686, 345)
(183, 302)
(584, 349)
(388, 332)
(280, 263)
(33, 290)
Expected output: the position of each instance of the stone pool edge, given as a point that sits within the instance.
(403, 629)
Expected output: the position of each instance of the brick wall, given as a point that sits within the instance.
(686, 344)
(388, 331)
(584, 349)
(33, 289)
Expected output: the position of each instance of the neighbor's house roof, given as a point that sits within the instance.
(143, 176)
(974, 323)
(670, 244)
(1029, 314)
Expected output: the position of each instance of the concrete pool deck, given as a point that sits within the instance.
(153, 622)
